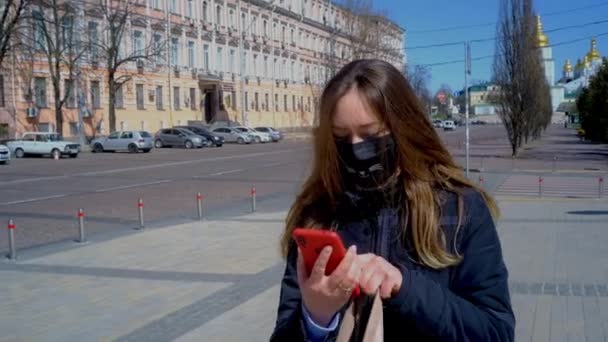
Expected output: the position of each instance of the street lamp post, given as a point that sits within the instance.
(467, 72)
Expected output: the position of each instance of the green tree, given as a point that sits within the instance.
(593, 106)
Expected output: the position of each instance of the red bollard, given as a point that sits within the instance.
(540, 187)
(81, 237)
(12, 251)
(140, 209)
(199, 206)
(481, 181)
(253, 196)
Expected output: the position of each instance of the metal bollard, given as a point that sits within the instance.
(12, 251)
(600, 187)
(199, 206)
(540, 187)
(81, 237)
(253, 195)
(481, 181)
(140, 209)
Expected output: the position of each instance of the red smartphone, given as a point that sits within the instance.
(312, 242)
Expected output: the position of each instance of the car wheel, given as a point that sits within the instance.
(133, 148)
(219, 145)
(258, 140)
(19, 153)
(74, 155)
(188, 144)
(146, 150)
(56, 154)
(158, 143)
(240, 141)
(98, 148)
(4, 162)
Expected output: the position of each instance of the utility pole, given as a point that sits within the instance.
(467, 72)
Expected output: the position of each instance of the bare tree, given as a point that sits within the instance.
(523, 91)
(120, 16)
(12, 13)
(419, 77)
(54, 38)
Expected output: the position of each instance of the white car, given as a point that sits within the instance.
(40, 143)
(449, 125)
(258, 137)
(5, 155)
(229, 134)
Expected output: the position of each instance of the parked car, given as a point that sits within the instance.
(170, 137)
(275, 135)
(5, 154)
(232, 135)
(258, 137)
(131, 141)
(39, 143)
(437, 123)
(213, 138)
(449, 125)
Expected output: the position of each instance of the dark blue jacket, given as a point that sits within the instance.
(467, 302)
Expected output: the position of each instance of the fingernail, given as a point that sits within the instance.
(327, 250)
(352, 249)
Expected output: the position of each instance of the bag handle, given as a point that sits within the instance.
(374, 331)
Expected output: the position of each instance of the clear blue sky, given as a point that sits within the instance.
(419, 15)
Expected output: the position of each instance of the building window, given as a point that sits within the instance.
(220, 59)
(158, 50)
(39, 37)
(159, 97)
(218, 15)
(293, 36)
(205, 11)
(256, 102)
(156, 4)
(255, 65)
(96, 95)
(139, 95)
(231, 18)
(231, 61)
(233, 96)
(265, 102)
(308, 107)
(274, 69)
(276, 102)
(245, 64)
(243, 22)
(174, 51)
(275, 33)
(190, 9)
(246, 101)
(283, 33)
(300, 103)
(118, 96)
(254, 25)
(265, 27)
(138, 43)
(293, 103)
(190, 54)
(193, 98)
(285, 103)
(70, 98)
(266, 66)
(292, 70)
(206, 57)
(93, 38)
(173, 6)
(176, 98)
(40, 92)
(2, 103)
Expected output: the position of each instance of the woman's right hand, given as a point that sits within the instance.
(323, 296)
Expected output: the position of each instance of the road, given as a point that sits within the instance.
(43, 195)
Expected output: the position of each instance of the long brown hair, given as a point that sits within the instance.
(425, 164)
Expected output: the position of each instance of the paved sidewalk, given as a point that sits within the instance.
(218, 280)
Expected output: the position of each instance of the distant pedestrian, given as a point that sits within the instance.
(421, 234)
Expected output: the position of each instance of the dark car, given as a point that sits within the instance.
(170, 137)
(215, 139)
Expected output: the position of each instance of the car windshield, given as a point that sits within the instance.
(242, 129)
(145, 134)
(53, 137)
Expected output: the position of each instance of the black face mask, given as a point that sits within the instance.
(370, 163)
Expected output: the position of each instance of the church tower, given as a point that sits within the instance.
(546, 53)
(568, 71)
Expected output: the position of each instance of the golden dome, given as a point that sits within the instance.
(593, 54)
(586, 62)
(541, 38)
(567, 66)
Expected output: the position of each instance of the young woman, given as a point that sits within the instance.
(419, 232)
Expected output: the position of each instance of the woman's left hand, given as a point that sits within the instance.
(377, 274)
